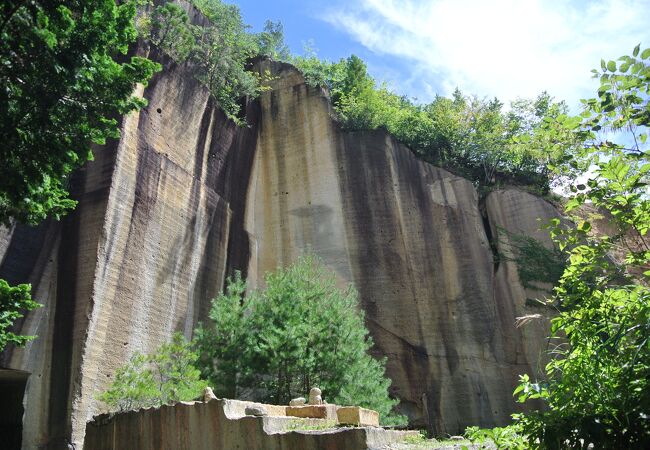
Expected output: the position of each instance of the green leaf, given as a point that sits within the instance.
(611, 66)
(635, 52)
(645, 54)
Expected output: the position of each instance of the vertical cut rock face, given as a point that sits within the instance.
(141, 256)
(185, 197)
(412, 240)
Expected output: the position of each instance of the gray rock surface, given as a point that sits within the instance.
(255, 411)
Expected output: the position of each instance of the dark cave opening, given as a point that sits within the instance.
(12, 391)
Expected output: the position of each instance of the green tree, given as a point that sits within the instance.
(270, 42)
(221, 55)
(170, 29)
(165, 376)
(62, 87)
(598, 380)
(470, 136)
(298, 332)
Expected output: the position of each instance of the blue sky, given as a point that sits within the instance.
(502, 48)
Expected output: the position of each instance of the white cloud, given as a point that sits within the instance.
(503, 48)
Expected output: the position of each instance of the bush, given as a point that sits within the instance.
(14, 300)
(505, 438)
(168, 375)
(300, 331)
(598, 380)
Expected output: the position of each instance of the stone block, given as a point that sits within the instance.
(314, 411)
(355, 415)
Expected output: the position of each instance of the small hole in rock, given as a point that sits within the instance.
(159, 110)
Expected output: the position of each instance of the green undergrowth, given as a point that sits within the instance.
(421, 441)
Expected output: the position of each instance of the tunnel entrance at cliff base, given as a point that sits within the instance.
(12, 391)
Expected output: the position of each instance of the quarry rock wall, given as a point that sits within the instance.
(186, 197)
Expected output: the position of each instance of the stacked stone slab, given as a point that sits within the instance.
(354, 415)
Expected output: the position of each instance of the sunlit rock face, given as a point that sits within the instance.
(186, 197)
(412, 239)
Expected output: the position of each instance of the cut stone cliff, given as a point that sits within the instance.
(186, 197)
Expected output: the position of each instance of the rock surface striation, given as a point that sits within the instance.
(186, 197)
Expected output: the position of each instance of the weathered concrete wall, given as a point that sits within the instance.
(185, 197)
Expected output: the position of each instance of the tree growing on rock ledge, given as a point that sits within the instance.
(274, 344)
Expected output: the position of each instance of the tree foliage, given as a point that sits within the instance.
(219, 50)
(598, 380)
(62, 88)
(165, 376)
(221, 54)
(270, 42)
(13, 301)
(169, 28)
(298, 332)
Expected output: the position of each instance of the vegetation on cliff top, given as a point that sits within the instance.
(473, 137)
(218, 50)
(470, 136)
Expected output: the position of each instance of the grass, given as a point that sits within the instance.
(420, 441)
(303, 425)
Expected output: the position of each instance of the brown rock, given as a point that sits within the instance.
(315, 411)
(207, 426)
(355, 415)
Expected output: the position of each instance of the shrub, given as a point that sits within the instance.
(13, 301)
(168, 375)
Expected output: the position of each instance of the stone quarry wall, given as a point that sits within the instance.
(412, 239)
(186, 197)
